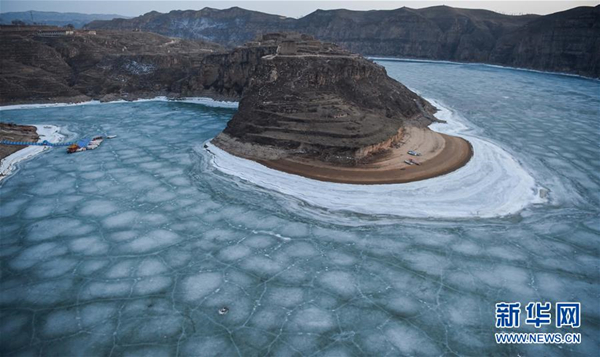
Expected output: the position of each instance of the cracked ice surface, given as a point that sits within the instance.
(133, 248)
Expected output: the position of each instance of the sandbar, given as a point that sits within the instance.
(440, 155)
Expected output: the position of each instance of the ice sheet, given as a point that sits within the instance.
(132, 249)
(209, 102)
(492, 184)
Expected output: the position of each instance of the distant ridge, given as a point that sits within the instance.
(51, 18)
(562, 42)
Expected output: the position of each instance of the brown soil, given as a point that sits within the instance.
(15, 132)
(440, 154)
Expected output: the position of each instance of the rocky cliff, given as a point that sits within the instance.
(231, 27)
(304, 103)
(565, 42)
(45, 64)
(313, 99)
(440, 33)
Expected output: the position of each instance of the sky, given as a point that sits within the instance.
(286, 8)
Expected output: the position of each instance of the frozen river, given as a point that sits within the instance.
(133, 248)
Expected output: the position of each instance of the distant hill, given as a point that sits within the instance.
(81, 66)
(567, 41)
(54, 18)
(563, 42)
(230, 27)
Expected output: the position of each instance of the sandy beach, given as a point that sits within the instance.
(440, 154)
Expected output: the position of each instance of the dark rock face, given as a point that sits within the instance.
(126, 65)
(440, 33)
(316, 100)
(565, 42)
(83, 66)
(231, 27)
(299, 97)
(13, 132)
(224, 74)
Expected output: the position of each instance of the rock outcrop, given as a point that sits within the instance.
(230, 27)
(13, 132)
(567, 41)
(563, 42)
(315, 100)
(46, 65)
(111, 65)
(307, 107)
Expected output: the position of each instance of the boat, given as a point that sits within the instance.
(414, 153)
(111, 136)
(85, 144)
(408, 162)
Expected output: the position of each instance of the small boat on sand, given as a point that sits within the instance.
(414, 153)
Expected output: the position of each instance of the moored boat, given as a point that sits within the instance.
(85, 144)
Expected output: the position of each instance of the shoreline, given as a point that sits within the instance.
(408, 59)
(441, 155)
(8, 165)
(492, 184)
(206, 101)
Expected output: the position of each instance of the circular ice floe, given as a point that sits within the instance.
(492, 184)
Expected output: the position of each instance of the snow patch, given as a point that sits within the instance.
(492, 184)
(50, 133)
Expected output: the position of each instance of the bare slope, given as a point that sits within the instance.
(564, 42)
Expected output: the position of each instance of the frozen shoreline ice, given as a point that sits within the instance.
(492, 184)
(401, 59)
(209, 102)
(46, 132)
(102, 249)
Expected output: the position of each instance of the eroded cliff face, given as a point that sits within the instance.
(108, 65)
(567, 41)
(440, 33)
(115, 65)
(564, 42)
(323, 103)
(224, 75)
(299, 97)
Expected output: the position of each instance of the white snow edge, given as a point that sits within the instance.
(491, 184)
(209, 102)
(46, 132)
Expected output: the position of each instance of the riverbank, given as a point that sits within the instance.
(491, 184)
(8, 163)
(440, 154)
(19, 133)
(207, 101)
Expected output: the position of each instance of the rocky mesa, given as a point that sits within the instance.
(306, 107)
(319, 111)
